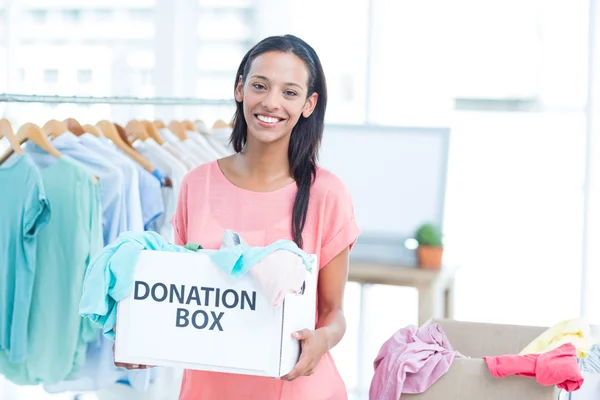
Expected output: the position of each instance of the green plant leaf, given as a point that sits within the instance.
(429, 235)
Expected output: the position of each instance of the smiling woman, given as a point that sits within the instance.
(272, 189)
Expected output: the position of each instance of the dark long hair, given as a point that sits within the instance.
(308, 132)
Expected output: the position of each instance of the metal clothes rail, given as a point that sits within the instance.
(128, 100)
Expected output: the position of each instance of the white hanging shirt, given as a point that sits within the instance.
(221, 146)
(182, 151)
(211, 153)
(176, 170)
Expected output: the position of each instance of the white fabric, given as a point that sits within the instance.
(204, 145)
(219, 142)
(175, 170)
(182, 152)
(198, 151)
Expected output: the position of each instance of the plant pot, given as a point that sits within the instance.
(430, 257)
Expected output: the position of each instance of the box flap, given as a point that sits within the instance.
(481, 339)
(299, 313)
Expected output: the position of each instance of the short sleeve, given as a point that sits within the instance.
(179, 220)
(340, 229)
(37, 211)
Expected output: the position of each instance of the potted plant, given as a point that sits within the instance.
(430, 250)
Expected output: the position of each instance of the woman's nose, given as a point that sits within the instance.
(271, 101)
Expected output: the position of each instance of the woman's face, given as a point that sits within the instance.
(274, 96)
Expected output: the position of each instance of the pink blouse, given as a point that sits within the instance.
(208, 204)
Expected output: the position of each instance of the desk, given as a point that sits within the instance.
(435, 287)
(436, 295)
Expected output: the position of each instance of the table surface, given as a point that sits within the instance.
(389, 274)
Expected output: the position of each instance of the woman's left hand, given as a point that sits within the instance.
(314, 346)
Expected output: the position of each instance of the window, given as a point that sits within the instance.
(50, 76)
(215, 86)
(38, 16)
(141, 77)
(101, 14)
(342, 48)
(72, 15)
(22, 74)
(141, 14)
(84, 76)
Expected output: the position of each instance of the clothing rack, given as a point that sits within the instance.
(128, 100)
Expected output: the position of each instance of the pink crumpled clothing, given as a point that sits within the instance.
(278, 274)
(556, 367)
(411, 361)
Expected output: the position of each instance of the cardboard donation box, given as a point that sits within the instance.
(470, 378)
(186, 312)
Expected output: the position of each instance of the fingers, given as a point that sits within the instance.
(302, 335)
(132, 366)
(298, 370)
(297, 373)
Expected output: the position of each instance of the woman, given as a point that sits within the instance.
(272, 189)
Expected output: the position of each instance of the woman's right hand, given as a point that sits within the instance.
(125, 365)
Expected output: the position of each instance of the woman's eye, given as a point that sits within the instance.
(258, 86)
(290, 93)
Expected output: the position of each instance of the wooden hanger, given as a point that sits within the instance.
(153, 132)
(178, 130)
(159, 124)
(220, 124)
(74, 126)
(93, 130)
(110, 131)
(55, 128)
(121, 131)
(7, 132)
(189, 125)
(36, 135)
(123, 134)
(199, 121)
(135, 130)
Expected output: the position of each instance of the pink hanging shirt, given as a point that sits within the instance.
(208, 204)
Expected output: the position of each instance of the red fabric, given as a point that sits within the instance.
(557, 367)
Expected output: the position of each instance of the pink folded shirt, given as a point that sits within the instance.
(411, 361)
(556, 367)
(278, 274)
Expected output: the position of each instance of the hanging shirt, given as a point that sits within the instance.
(208, 204)
(222, 135)
(133, 209)
(58, 336)
(99, 372)
(175, 170)
(114, 219)
(220, 146)
(152, 202)
(24, 214)
(148, 188)
(183, 147)
(183, 157)
(202, 146)
(198, 151)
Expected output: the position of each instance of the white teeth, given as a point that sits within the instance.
(268, 120)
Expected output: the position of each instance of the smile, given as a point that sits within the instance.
(267, 120)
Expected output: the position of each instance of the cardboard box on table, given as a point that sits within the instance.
(237, 331)
(470, 378)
